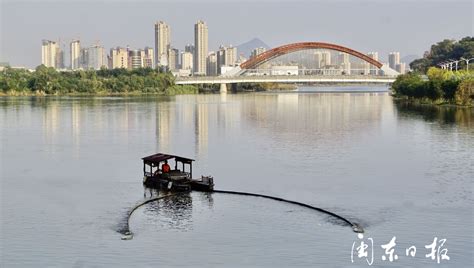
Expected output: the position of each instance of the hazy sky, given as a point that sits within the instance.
(408, 26)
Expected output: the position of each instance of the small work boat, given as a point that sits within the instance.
(157, 176)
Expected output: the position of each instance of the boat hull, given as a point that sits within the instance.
(204, 184)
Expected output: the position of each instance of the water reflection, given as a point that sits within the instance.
(51, 121)
(173, 118)
(356, 154)
(461, 116)
(164, 121)
(316, 116)
(201, 128)
(206, 198)
(321, 114)
(174, 212)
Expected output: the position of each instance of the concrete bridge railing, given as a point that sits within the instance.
(285, 79)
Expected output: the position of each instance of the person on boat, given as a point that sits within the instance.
(165, 168)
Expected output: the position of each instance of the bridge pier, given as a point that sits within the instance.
(223, 88)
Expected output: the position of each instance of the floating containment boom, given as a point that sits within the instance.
(127, 234)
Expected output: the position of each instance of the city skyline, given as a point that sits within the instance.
(243, 25)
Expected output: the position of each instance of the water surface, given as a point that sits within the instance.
(71, 169)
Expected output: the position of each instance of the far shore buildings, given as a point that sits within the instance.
(148, 57)
(212, 64)
(162, 43)
(394, 62)
(257, 51)
(196, 59)
(118, 58)
(127, 58)
(344, 62)
(173, 59)
(50, 54)
(226, 57)
(200, 48)
(96, 57)
(374, 55)
(75, 54)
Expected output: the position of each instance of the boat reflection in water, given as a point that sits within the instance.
(174, 212)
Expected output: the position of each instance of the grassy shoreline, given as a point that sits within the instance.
(96, 94)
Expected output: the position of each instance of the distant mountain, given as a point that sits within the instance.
(409, 58)
(247, 47)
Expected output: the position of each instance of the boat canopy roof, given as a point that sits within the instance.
(159, 157)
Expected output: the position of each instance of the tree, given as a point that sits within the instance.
(465, 93)
(444, 51)
(420, 65)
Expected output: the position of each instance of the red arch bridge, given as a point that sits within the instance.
(253, 70)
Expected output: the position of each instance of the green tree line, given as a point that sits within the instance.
(439, 86)
(46, 80)
(444, 51)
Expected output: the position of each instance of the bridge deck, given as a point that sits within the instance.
(285, 79)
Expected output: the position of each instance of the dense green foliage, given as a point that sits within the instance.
(444, 51)
(440, 86)
(117, 81)
(465, 92)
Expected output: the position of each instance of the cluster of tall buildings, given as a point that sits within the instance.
(394, 62)
(51, 54)
(341, 63)
(195, 59)
(127, 58)
(92, 57)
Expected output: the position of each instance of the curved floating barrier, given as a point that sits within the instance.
(355, 227)
(127, 234)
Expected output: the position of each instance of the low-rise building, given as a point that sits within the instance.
(284, 70)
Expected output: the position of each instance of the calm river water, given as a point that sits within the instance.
(71, 169)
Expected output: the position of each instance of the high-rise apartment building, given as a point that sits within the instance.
(317, 59)
(344, 62)
(200, 48)
(173, 59)
(96, 58)
(162, 42)
(75, 55)
(49, 53)
(59, 58)
(226, 56)
(375, 56)
(211, 64)
(393, 59)
(186, 60)
(189, 48)
(84, 58)
(401, 67)
(148, 57)
(134, 59)
(322, 58)
(118, 58)
(257, 51)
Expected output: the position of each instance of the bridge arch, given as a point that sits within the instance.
(289, 48)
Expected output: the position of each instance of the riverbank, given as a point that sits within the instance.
(427, 101)
(171, 92)
(442, 87)
(48, 81)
